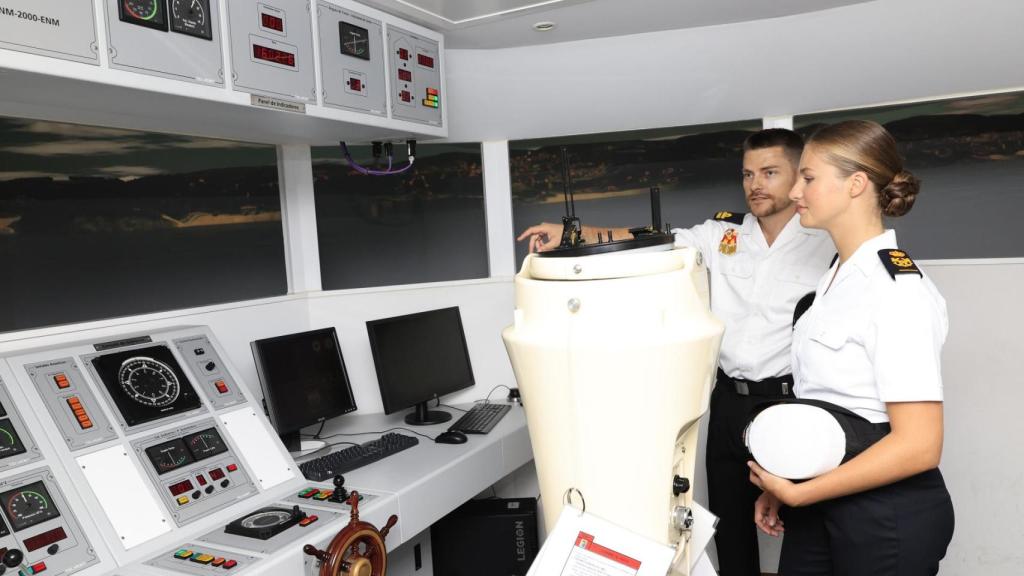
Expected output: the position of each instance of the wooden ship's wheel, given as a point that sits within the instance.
(357, 550)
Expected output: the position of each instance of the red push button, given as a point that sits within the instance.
(232, 467)
(308, 520)
(38, 567)
(217, 561)
(230, 564)
(221, 386)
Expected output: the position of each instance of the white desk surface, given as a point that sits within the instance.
(430, 479)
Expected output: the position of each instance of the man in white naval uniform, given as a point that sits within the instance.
(760, 265)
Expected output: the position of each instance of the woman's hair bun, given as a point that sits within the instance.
(897, 198)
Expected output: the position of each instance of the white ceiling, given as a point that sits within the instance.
(508, 23)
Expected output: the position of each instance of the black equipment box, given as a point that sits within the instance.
(493, 537)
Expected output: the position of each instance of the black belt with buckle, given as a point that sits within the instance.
(777, 386)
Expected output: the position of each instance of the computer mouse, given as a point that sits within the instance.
(451, 437)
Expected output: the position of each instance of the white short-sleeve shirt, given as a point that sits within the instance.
(755, 287)
(871, 338)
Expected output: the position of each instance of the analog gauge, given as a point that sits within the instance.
(142, 9)
(355, 40)
(266, 519)
(169, 456)
(148, 13)
(205, 444)
(28, 506)
(149, 382)
(191, 17)
(10, 443)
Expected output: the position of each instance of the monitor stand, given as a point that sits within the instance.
(300, 446)
(420, 416)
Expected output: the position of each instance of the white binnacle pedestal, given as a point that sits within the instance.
(615, 356)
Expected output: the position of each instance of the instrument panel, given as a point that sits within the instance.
(155, 433)
(195, 471)
(146, 385)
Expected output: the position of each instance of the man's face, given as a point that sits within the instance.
(768, 176)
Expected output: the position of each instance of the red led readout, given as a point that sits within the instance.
(180, 487)
(45, 539)
(405, 75)
(272, 55)
(272, 22)
(425, 61)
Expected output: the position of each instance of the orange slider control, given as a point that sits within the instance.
(61, 380)
(79, 412)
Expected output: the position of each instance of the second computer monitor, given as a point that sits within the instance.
(304, 381)
(420, 357)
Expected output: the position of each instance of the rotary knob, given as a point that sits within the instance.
(680, 485)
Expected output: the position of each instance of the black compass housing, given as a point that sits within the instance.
(265, 523)
(136, 409)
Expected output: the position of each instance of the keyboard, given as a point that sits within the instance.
(330, 465)
(481, 418)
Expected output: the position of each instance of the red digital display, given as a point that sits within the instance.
(425, 61)
(180, 487)
(403, 53)
(201, 479)
(355, 84)
(45, 539)
(272, 22)
(405, 75)
(272, 55)
(216, 474)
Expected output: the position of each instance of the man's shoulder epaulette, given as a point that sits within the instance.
(732, 217)
(898, 262)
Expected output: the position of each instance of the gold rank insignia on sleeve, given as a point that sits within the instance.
(898, 262)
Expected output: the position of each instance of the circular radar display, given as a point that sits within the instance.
(28, 506)
(149, 382)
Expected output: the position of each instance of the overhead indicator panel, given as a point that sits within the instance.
(169, 38)
(351, 60)
(272, 48)
(416, 77)
(54, 28)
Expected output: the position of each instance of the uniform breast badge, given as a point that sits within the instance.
(898, 262)
(728, 244)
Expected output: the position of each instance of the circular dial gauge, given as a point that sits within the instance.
(26, 505)
(191, 11)
(266, 519)
(142, 9)
(149, 382)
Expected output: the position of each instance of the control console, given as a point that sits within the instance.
(196, 470)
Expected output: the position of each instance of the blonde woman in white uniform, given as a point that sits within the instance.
(870, 343)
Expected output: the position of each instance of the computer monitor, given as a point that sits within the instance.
(304, 381)
(420, 357)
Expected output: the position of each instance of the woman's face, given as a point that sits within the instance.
(819, 192)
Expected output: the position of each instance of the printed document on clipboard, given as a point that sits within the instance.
(583, 545)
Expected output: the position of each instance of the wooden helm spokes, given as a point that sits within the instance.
(357, 550)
